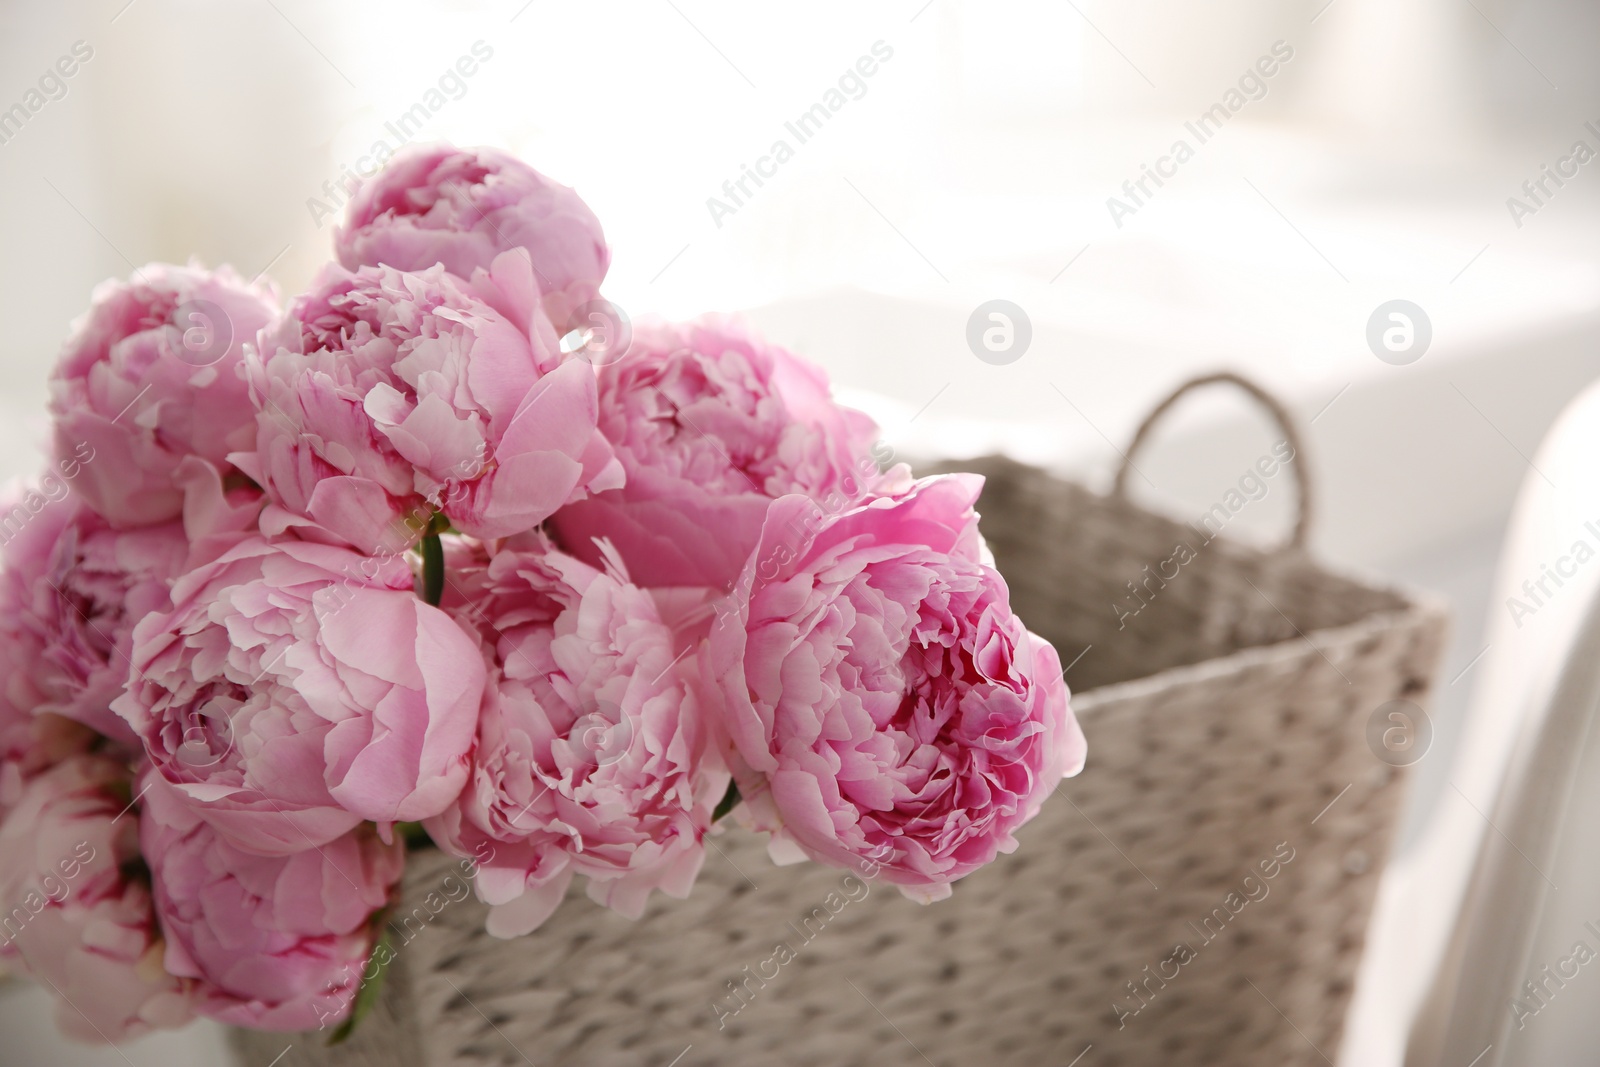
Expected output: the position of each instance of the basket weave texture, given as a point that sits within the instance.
(1228, 738)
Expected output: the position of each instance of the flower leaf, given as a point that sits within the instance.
(369, 992)
(729, 801)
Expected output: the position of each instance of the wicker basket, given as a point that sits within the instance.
(1232, 804)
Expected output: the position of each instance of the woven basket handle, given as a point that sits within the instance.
(1280, 415)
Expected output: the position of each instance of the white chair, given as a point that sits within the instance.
(1503, 887)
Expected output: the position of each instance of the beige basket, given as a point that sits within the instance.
(1228, 727)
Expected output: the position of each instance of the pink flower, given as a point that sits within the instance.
(219, 511)
(386, 396)
(295, 689)
(76, 918)
(71, 591)
(31, 742)
(889, 708)
(711, 426)
(592, 755)
(150, 376)
(462, 208)
(271, 942)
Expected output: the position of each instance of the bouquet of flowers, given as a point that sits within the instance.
(449, 553)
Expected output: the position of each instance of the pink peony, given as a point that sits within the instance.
(71, 591)
(462, 208)
(219, 511)
(592, 756)
(150, 376)
(295, 689)
(888, 707)
(711, 426)
(271, 942)
(30, 742)
(386, 396)
(77, 918)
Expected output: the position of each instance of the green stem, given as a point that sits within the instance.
(432, 568)
(413, 835)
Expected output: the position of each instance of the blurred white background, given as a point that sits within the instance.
(976, 164)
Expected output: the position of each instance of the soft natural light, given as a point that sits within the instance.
(1384, 214)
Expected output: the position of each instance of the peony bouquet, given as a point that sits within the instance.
(448, 553)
